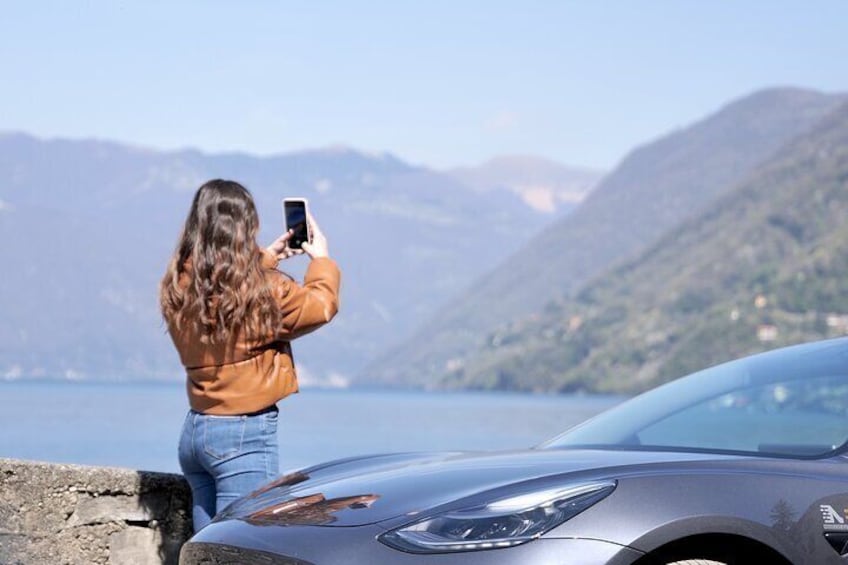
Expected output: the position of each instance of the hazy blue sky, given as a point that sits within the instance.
(435, 82)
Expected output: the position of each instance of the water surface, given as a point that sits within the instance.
(137, 425)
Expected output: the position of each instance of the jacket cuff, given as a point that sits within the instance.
(322, 268)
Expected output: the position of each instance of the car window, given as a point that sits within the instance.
(787, 402)
(789, 417)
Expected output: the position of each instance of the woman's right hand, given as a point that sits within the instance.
(318, 247)
(280, 248)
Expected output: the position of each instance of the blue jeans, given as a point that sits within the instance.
(226, 457)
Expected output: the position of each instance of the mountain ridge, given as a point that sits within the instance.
(766, 266)
(657, 186)
(542, 183)
(94, 222)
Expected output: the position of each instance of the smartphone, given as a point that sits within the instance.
(294, 212)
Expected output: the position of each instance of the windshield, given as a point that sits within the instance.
(789, 402)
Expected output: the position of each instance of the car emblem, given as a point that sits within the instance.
(831, 518)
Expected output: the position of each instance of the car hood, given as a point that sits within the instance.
(365, 490)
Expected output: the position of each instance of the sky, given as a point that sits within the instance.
(436, 83)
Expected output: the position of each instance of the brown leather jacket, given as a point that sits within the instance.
(244, 376)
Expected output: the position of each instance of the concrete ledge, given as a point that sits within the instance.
(73, 514)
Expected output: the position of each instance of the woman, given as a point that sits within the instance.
(232, 316)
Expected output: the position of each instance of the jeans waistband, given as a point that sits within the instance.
(266, 410)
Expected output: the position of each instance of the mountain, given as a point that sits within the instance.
(765, 266)
(542, 184)
(88, 228)
(656, 188)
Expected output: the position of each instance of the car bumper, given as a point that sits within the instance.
(236, 542)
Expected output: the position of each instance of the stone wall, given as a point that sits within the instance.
(71, 514)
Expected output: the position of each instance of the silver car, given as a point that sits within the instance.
(743, 463)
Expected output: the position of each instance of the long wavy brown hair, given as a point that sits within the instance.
(215, 283)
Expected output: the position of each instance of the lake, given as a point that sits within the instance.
(137, 425)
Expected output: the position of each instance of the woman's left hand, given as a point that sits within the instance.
(280, 248)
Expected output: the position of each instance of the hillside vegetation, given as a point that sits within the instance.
(766, 266)
(655, 189)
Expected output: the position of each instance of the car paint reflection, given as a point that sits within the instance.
(312, 509)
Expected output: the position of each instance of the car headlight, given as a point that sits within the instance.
(505, 522)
